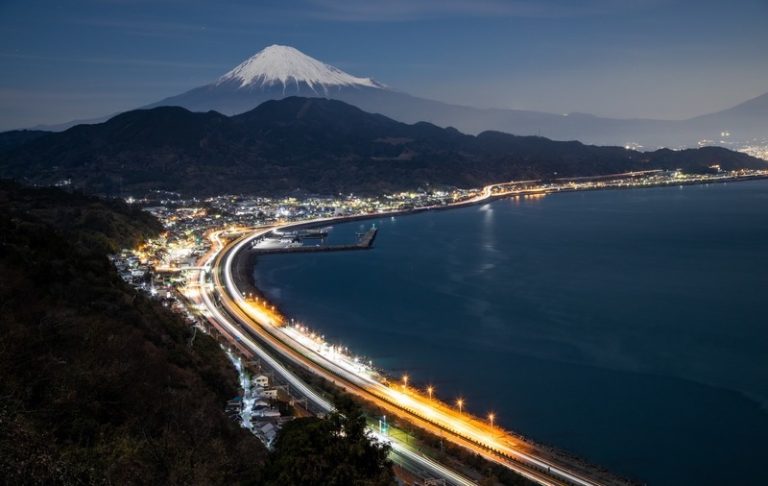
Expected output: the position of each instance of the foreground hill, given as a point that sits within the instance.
(313, 144)
(99, 384)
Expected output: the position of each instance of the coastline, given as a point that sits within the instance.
(729, 180)
(311, 224)
(495, 197)
(546, 459)
(245, 262)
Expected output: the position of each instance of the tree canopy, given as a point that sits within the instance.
(336, 449)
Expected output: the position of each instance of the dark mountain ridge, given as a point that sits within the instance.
(313, 144)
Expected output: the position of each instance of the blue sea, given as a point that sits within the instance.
(628, 326)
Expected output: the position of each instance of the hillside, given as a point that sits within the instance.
(14, 138)
(99, 383)
(312, 144)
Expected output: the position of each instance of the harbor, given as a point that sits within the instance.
(293, 242)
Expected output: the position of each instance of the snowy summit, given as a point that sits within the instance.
(285, 66)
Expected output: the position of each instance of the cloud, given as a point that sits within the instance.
(115, 62)
(198, 18)
(406, 10)
(26, 95)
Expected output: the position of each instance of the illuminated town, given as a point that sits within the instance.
(188, 221)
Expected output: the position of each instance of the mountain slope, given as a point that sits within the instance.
(101, 385)
(14, 138)
(275, 72)
(316, 145)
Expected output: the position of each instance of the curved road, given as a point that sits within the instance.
(492, 443)
(254, 319)
(402, 454)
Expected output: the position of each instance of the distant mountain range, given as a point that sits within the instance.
(310, 144)
(277, 72)
(280, 71)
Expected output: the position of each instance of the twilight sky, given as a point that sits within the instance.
(64, 60)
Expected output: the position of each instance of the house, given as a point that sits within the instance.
(268, 413)
(268, 432)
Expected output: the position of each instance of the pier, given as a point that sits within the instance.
(364, 242)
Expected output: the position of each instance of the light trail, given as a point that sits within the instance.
(408, 455)
(491, 443)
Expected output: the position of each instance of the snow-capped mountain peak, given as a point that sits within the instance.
(286, 66)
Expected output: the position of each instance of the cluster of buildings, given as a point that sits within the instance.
(188, 221)
(756, 147)
(158, 269)
(759, 150)
(256, 409)
(650, 178)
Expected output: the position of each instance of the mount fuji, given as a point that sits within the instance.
(278, 72)
(275, 72)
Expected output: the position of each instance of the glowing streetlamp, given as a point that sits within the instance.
(491, 416)
(405, 381)
(460, 404)
(430, 389)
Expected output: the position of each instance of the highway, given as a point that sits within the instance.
(401, 454)
(431, 415)
(253, 319)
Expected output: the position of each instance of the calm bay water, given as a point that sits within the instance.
(628, 327)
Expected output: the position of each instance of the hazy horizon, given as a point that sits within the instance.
(668, 59)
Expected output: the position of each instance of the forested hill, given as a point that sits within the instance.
(99, 384)
(313, 144)
(99, 225)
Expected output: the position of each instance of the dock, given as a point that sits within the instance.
(365, 242)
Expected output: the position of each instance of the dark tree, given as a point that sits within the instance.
(331, 451)
(99, 384)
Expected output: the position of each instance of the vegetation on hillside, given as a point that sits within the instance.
(102, 385)
(336, 449)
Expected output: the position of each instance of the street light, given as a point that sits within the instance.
(430, 389)
(405, 381)
(491, 416)
(460, 403)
